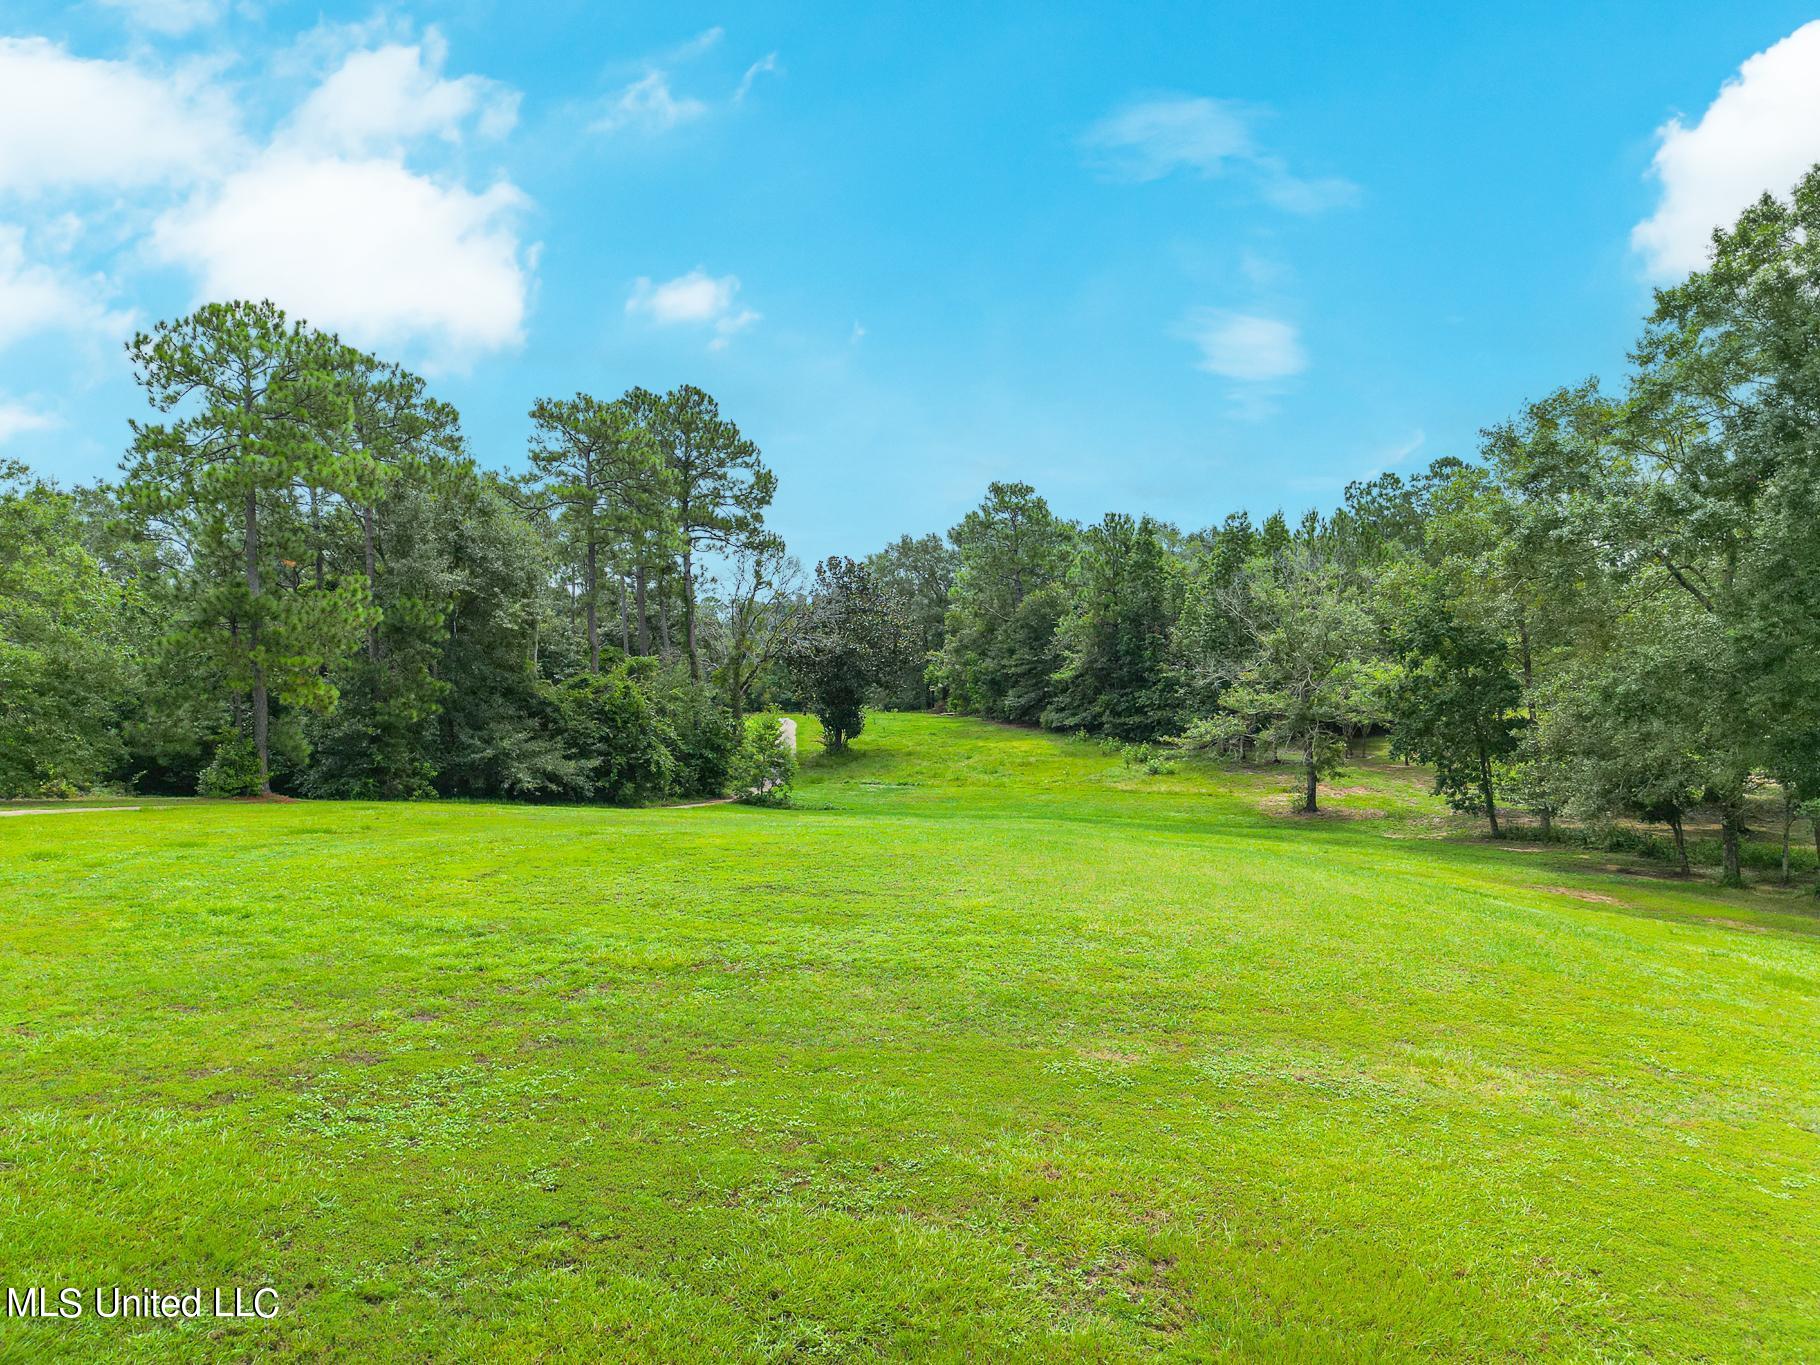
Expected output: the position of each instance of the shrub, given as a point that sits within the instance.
(234, 771)
(763, 768)
(700, 734)
(613, 734)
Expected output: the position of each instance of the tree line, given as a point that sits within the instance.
(303, 582)
(1611, 615)
(303, 579)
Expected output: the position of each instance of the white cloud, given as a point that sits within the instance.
(1403, 449)
(695, 299)
(1246, 348)
(383, 99)
(1149, 139)
(1760, 135)
(68, 122)
(768, 62)
(366, 247)
(38, 298)
(705, 41)
(169, 16)
(1298, 194)
(648, 106)
(16, 418)
(348, 216)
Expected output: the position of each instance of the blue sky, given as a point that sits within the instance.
(1173, 258)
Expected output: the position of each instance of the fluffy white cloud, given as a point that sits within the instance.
(16, 418)
(648, 106)
(363, 246)
(69, 122)
(38, 298)
(344, 215)
(1152, 138)
(1761, 134)
(1149, 139)
(169, 16)
(695, 299)
(1245, 347)
(383, 99)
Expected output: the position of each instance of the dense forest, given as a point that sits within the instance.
(304, 582)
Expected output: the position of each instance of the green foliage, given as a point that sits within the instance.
(1454, 705)
(235, 770)
(915, 575)
(612, 732)
(697, 731)
(1308, 670)
(764, 769)
(1115, 675)
(235, 477)
(842, 650)
(717, 480)
(1007, 600)
(69, 638)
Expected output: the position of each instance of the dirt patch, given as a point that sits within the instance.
(1106, 1054)
(1291, 805)
(1578, 895)
(1664, 874)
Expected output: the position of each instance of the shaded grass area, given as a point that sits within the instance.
(992, 1048)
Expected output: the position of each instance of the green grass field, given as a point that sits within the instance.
(991, 1048)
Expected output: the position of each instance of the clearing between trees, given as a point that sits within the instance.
(994, 1046)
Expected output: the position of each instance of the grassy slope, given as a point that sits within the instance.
(990, 1047)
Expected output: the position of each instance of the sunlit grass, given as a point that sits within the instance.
(991, 1047)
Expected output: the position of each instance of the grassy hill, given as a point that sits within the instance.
(993, 1047)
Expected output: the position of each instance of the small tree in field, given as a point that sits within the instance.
(1455, 705)
(842, 647)
(1310, 671)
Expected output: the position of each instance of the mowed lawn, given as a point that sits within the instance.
(992, 1048)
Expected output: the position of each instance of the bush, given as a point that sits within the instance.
(612, 733)
(699, 733)
(1154, 761)
(234, 771)
(763, 768)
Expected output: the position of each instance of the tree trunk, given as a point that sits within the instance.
(366, 525)
(1788, 828)
(1491, 806)
(663, 614)
(261, 710)
(644, 616)
(689, 611)
(1308, 799)
(625, 620)
(1674, 824)
(592, 590)
(1731, 873)
(316, 535)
